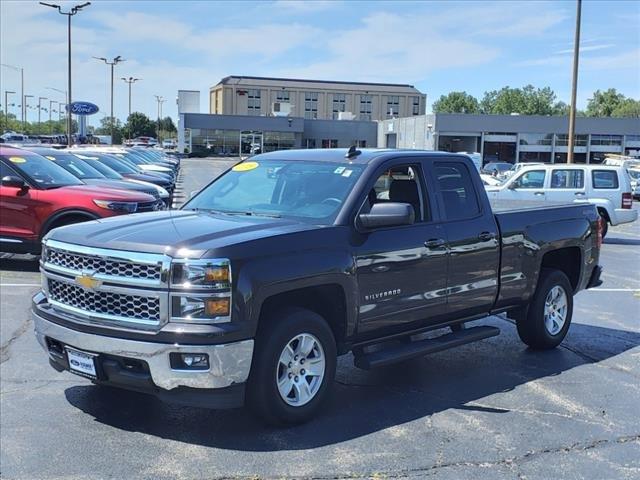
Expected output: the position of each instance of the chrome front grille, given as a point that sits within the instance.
(112, 288)
(95, 264)
(127, 307)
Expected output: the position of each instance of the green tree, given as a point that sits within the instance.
(528, 100)
(603, 104)
(627, 108)
(167, 125)
(105, 128)
(138, 124)
(456, 102)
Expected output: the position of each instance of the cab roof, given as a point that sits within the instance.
(338, 155)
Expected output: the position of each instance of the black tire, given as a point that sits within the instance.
(274, 334)
(531, 327)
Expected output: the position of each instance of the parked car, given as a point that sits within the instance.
(89, 175)
(475, 157)
(496, 169)
(169, 143)
(634, 176)
(140, 162)
(37, 196)
(125, 168)
(290, 259)
(606, 187)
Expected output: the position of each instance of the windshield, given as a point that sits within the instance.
(94, 162)
(72, 164)
(120, 165)
(132, 157)
(309, 191)
(42, 172)
(635, 174)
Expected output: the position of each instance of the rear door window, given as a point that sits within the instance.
(605, 179)
(456, 190)
(568, 179)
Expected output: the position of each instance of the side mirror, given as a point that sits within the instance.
(387, 215)
(512, 186)
(14, 182)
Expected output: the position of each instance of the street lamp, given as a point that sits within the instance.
(6, 106)
(39, 112)
(22, 110)
(69, 14)
(25, 106)
(51, 102)
(160, 101)
(130, 81)
(66, 100)
(112, 63)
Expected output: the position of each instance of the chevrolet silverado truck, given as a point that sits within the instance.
(291, 258)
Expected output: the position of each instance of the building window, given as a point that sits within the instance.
(606, 140)
(329, 143)
(393, 105)
(562, 140)
(359, 143)
(253, 102)
(311, 105)
(339, 104)
(283, 96)
(632, 138)
(365, 107)
(310, 143)
(536, 139)
(415, 105)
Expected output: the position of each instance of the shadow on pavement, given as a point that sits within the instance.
(365, 402)
(621, 241)
(19, 263)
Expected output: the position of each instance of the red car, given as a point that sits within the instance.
(37, 195)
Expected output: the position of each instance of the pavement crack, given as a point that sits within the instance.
(4, 349)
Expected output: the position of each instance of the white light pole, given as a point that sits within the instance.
(69, 14)
(6, 106)
(130, 81)
(112, 63)
(23, 112)
(39, 112)
(160, 101)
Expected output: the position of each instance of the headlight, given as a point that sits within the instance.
(124, 207)
(208, 274)
(200, 309)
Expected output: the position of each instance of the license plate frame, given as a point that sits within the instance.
(82, 363)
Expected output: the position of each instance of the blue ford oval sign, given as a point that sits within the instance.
(83, 108)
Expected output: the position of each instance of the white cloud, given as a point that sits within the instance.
(587, 48)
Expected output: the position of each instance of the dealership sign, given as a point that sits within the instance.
(83, 108)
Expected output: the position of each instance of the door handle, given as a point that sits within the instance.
(434, 243)
(485, 236)
(539, 193)
(579, 194)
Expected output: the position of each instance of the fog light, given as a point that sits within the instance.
(189, 361)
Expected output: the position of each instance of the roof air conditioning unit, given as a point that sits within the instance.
(346, 116)
(281, 109)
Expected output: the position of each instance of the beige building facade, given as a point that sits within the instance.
(314, 99)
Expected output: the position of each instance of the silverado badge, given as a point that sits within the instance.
(87, 281)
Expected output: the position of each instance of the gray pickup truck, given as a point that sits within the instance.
(287, 260)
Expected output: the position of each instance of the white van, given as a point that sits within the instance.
(606, 186)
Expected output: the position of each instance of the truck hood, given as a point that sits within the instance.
(175, 233)
(107, 193)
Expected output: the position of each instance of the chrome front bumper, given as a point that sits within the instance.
(229, 363)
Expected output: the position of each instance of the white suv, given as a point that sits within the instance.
(608, 187)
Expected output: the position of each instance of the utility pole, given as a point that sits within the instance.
(39, 112)
(130, 81)
(66, 100)
(6, 106)
(112, 63)
(69, 14)
(23, 112)
(24, 105)
(160, 101)
(51, 102)
(574, 85)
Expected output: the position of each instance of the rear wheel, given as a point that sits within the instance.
(293, 367)
(549, 314)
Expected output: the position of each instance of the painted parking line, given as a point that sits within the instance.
(635, 290)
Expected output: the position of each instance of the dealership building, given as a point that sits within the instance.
(259, 114)
(513, 138)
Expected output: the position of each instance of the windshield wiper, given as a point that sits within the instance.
(249, 213)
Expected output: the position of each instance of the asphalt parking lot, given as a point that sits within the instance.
(493, 409)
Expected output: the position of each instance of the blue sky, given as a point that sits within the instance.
(436, 46)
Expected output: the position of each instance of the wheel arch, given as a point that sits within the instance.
(58, 217)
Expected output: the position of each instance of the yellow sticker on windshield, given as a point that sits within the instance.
(49, 157)
(245, 167)
(17, 160)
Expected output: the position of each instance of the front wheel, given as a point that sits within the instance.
(293, 367)
(549, 314)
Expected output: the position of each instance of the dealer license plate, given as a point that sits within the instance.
(81, 363)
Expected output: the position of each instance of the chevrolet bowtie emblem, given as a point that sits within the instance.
(88, 282)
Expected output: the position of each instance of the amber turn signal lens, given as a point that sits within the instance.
(217, 274)
(217, 307)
